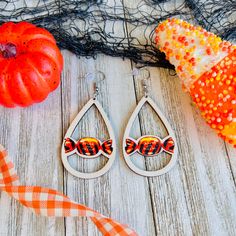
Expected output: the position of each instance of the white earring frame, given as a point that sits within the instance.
(111, 159)
(127, 157)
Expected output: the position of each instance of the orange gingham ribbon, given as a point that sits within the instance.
(49, 202)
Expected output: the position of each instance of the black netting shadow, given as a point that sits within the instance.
(104, 26)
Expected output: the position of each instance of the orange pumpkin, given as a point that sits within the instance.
(30, 64)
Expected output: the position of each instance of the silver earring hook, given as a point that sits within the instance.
(136, 72)
(145, 88)
(96, 79)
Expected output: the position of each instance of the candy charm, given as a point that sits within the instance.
(149, 145)
(207, 67)
(88, 147)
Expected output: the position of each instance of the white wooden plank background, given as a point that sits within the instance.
(197, 197)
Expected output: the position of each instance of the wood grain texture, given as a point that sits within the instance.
(198, 197)
(32, 136)
(120, 190)
(196, 192)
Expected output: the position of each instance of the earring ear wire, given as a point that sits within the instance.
(136, 72)
(145, 88)
(96, 79)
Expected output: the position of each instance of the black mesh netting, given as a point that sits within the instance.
(123, 28)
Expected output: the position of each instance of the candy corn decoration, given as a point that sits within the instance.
(207, 67)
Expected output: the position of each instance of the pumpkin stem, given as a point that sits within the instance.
(8, 50)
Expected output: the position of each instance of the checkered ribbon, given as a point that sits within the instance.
(49, 202)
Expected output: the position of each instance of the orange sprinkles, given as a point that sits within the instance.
(207, 68)
(222, 111)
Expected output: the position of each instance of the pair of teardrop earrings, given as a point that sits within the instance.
(147, 145)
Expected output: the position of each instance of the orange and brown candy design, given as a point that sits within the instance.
(88, 146)
(150, 145)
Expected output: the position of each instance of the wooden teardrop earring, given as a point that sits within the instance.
(149, 145)
(89, 147)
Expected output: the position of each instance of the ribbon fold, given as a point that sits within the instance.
(49, 202)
